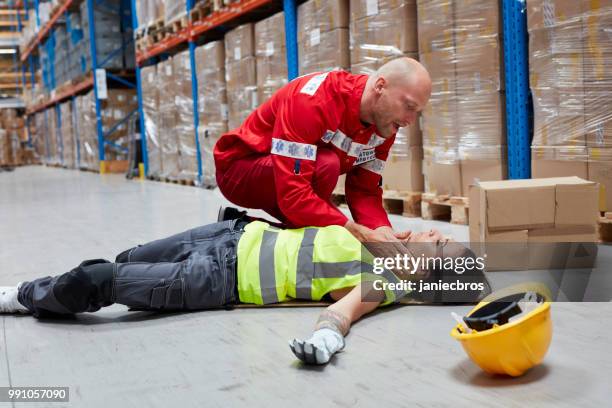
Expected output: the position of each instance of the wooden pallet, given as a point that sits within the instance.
(445, 208)
(202, 10)
(183, 182)
(406, 203)
(605, 227)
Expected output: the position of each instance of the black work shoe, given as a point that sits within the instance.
(229, 213)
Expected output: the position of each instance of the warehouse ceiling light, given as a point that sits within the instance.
(8, 50)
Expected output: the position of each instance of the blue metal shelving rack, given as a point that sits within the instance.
(517, 89)
(50, 81)
(289, 7)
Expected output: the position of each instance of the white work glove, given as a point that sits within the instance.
(319, 348)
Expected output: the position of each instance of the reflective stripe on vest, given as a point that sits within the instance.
(275, 265)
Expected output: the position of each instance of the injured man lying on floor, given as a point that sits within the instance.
(241, 262)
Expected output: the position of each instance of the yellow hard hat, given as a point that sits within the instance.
(501, 344)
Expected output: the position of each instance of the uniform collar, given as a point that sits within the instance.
(354, 123)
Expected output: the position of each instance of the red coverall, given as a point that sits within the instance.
(288, 154)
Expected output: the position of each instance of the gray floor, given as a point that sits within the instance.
(51, 218)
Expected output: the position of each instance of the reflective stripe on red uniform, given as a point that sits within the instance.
(313, 111)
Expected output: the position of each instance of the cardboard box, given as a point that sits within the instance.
(389, 29)
(598, 120)
(435, 25)
(477, 170)
(240, 43)
(442, 178)
(441, 65)
(404, 173)
(544, 167)
(535, 224)
(242, 97)
(547, 13)
(321, 15)
(600, 171)
(479, 66)
(537, 203)
(325, 52)
(271, 56)
(481, 119)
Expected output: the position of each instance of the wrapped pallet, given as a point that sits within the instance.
(240, 74)
(88, 136)
(174, 9)
(68, 136)
(167, 120)
(212, 104)
(323, 37)
(463, 125)
(271, 55)
(185, 127)
(150, 108)
(382, 30)
(54, 155)
(149, 11)
(569, 58)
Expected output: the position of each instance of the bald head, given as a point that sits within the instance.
(405, 70)
(395, 94)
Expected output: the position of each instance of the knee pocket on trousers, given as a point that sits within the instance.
(168, 296)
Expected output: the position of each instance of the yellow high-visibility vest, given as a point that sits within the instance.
(307, 263)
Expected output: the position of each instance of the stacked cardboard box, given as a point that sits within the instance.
(271, 55)
(113, 31)
(117, 106)
(185, 127)
(9, 149)
(174, 9)
(382, 30)
(149, 11)
(167, 120)
(518, 218)
(463, 125)
(150, 108)
(240, 74)
(69, 146)
(323, 37)
(570, 52)
(54, 153)
(212, 104)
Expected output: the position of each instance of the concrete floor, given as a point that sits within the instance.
(51, 219)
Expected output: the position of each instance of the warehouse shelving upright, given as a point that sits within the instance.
(518, 105)
(96, 78)
(189, 36)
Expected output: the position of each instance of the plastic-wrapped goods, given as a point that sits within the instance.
(212, 104)
(54, 155)
(150, 108)
(570, 52)
(323, 38)
(271, 55)
(68, 136)
(174, 9)
(240, 74)
(463, 125)
(382, 29)
(167, 120)
(5, 154)
(185, 127)
(115, 108)
(148, 11)
(38, 132)
(86, 127)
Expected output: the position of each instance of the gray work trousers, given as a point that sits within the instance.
(193, 270)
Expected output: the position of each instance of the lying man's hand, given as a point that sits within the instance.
(393, 235)
(319, 348)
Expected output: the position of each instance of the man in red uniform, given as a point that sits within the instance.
(288, 154)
